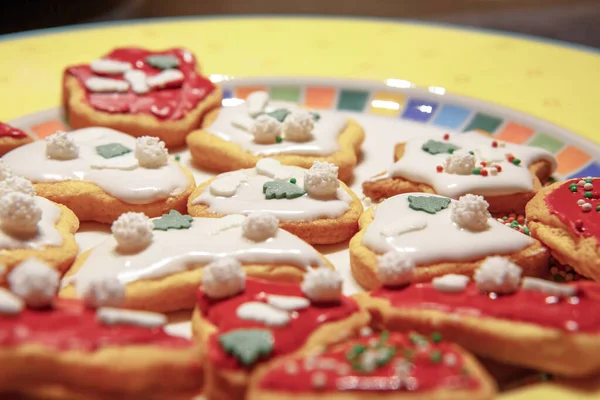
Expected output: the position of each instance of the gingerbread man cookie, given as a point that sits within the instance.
(141, 92)
(11, 138)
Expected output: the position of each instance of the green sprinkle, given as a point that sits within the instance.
(572, 185)
(573, 188)
(526, 230)
(278, 139)
(505, 218)
(476, 171)
(588, 180)
(516, 161)
(551, 180)
(436, 356)
(472, 153)
(178, 158)
(355, 352)
(436, 337)
(451, 151)
(598, 207)
(559, 278)
(416, 338)
(514, 224)
(293, 180)
(587, 195)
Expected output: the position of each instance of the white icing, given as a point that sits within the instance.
(272, 168)
(98, 84)
(287, 303)
(470, 212)
(61, 146)
(16, 184)
(177, 250)
(441, 240)
(549, 288)
(321, 180)
(35, 282)
(298, 126)
(9, 303)
(116, 316)
(419, 166)
(248, 196)
(119, 176)
(5, 171)
(395, 268)
(150, 152)
(223, 277)
(405, 225)
(256, 102)
(262, 312)
(19, 214)
(325, 132)
(450, 283)
(498, 275)
(110, 67)
(132, 231)
(264, 128)
(137, 80)
(322, 285)
(165, 78)
(104, 291)
(47, 234)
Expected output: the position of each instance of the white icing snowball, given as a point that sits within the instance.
(265, 129)
(549, 288)
(223, 277)
(450, 283)
(9, 303)
(5, 171)
(98, 84)
(168, 77)
(322, 285)
(499, 275)
(298, 127)
(133, 231)
(110, 67)
(256, 102)
(260, 226)
(104, 291)
(460, 162)
(137, 80)
(60, 146)
(470, 212)
(35, 282)
(20, 214)
(263, 313)
(16, 184)
(321, 180)
(116, 316)
(150, 152)
(395, 268)
(272, 168)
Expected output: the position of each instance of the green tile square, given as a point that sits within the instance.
(484, 122)
(286, 93)
(547, 142)
(352, 100)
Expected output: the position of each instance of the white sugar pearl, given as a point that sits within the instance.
(580, 202)
(581, 183)
(588, 186)
(586, 207)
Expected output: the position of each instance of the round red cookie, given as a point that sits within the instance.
(11, 138)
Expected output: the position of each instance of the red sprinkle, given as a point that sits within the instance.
(494, 144)
(498, 167)
(483, 164)
(439, 168)
(484, 172)
(521, 219)
(510, 219)
(596, 195)
(512, 215)
(446, 136)
(510, 157)
(579, 224)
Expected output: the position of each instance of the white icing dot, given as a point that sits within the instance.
(260, 226)
(499, 275)
(223, 277)
(150, 152)
(117, 316)
(228, 222)
(460, 162)
(586, 207)
(256, 102)
(133, 231)
(549, 288)
(404, 225)
(103, 291)
(20, 214)
(580, 202)
(5, 171)
(263, 313)
(588, 186)
(366, 331)
(291, 367)
(395, 268)
(298, 126)
(450, 359)
(450, 283)
(166, 78)
(272, 168)
(109, 67)
(16, 184)
(265, 129)
(98, 84)
(287, 303)
(321, 180)
(493, 171)
(226, 185)
(319, 379)
(60, 146)
(572, 326)
(581, 183)
(35, 282)
(137, 80)
(322, 285)
(470, 212)
(368, 360)
(9, 303)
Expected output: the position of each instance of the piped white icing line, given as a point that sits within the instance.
(35, 282)
(165, 78)
(102, 291)
(121, 176)
(61, 146)
(132, 231)
(322, 285)
(470, 212)
(395, 268)
(5, 171)
(547, 287)
(20, 214)
(321, 180)
(9, 303)
(116, 316)
(256, 102)
(226, 196)
(223, 277)
(177, 250)
(16, 184)
(420, 166)
(298, 126)
(110, 67)
(265, 129)
(263, 313)
(450, 283)
(460, 162)
(499, 275)
(441, 240)
(287, 303)
(150, 152)
(400, 227)
(100, 85)
(137, 80)
(260, 226)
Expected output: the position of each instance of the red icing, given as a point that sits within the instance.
(563, 204)
(426, 374)
(9, 131)
(524, 306)
(72, 326)
(288, 338)
(167, 104)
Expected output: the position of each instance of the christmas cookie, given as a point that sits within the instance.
(392, 365)
(141, 92)
(417, 236)
(528, 322)
(312, 204)
(249, 326)
(50, 345)
(11, 138)
(566, 217)
(100, 173)
(507, 175)
(162, 261)
(237, 137)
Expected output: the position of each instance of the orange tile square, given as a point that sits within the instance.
(515, 133)
(319, 97)
(571, 159)
(48, 128)
(243, 91)
(387, 103)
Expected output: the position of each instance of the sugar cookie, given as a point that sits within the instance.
(11, 138)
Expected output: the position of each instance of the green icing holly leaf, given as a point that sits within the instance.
(247, 345)
(282, 190)
(435, 147)
(111, 150)
(163, 61)
(280, 114)
(173, 220)
(429, 204)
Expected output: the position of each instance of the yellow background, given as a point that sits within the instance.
(559, 84)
